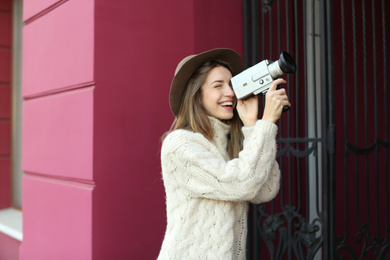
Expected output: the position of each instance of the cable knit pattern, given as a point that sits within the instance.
(207, 194)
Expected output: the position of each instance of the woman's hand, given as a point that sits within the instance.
(275, 100)
(248, 110)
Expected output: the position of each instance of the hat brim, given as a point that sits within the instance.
(193, 62)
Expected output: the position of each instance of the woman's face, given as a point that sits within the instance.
(217, 96)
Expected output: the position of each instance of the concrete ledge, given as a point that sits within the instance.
(11, 223)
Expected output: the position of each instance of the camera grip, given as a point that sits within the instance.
(285, 108)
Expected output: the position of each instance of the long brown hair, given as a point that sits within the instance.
(192, 116)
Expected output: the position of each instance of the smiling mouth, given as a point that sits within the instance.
(226, 104)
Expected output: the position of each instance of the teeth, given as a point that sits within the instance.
(228, 103)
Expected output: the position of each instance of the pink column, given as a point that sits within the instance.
(58, 88)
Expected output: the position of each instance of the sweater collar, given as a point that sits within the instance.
(221, 130)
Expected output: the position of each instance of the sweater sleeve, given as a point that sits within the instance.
(191, 161)
(271, 187)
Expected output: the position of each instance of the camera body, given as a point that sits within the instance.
(258, 78)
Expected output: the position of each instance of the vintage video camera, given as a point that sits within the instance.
(258, 78)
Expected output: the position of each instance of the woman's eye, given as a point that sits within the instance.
(217, 86)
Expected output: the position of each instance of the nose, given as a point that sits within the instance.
(229, 91)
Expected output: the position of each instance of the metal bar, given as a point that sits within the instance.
(262, 30)
(255, 29)
(305, 59)
(317, 197)
(331, 99)
(355, 62)
(306, 106)
(290, 231)
(270, 37)
(288, 76)
(297, 103)
(375, 115)
(366, 113)
(297, 63)
(288, 115)
(279, 28)
(255, 57)
(386, 184)
(281, 125)
(247, 34)
(279, 50)
(279, 42)
(345, 125)
(328, 160)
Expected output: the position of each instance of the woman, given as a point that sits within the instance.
(217, 158)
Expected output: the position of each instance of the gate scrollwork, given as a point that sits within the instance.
(275, 229)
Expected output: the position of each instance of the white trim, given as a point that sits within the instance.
(11, 223)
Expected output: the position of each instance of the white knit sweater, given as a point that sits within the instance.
(207, 194)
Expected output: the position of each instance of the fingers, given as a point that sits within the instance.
(276, 99)
(248, 101)
(275, 84)
(279, 95)
(248, 110)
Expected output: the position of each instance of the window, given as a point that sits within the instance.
(11, 218)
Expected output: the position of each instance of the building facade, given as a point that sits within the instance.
(84, 102)
(95, 83)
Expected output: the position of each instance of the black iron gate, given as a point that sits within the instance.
(333, 143)
(362, 226)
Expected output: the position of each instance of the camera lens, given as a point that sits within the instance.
(287, 63)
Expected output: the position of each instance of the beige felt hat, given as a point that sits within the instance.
(189, 64)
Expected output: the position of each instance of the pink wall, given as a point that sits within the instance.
(58, 218)
(96, 82)
(60, 44)
(218, 24)
(64, 136)
(34, 9)
(9, 248)
(146, 40)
